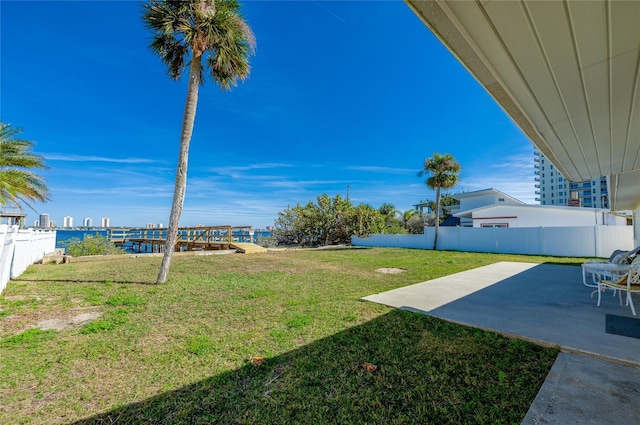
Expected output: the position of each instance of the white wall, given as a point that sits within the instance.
(545, 216)
(470, 203)
(21, 247)
(586, 241)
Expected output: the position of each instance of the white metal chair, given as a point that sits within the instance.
(612, 269)
(628, 283)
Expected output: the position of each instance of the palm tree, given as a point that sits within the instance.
(184, 33)
(18, 183)
(442, 172)
(390, 214)
(406, 216)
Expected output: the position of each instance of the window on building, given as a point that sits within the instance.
(500, 225)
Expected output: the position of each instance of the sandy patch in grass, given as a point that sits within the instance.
(66, 323)
(390, 270)
(49, 319)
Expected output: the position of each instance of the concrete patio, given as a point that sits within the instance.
(595, 380)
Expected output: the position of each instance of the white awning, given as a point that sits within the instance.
(567, 72)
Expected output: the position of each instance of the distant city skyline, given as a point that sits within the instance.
(45, 221)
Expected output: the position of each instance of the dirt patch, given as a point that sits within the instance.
(390, 270)
(75, 321)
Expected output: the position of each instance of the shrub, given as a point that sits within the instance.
(91, 245)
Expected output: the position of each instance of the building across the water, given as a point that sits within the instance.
(67, 221)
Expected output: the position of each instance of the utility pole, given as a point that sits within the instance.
(348, 187)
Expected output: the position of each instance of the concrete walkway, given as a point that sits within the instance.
(596, 380)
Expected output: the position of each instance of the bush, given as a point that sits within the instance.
(91, 245)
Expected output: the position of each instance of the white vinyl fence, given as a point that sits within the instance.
(21, 247)
(592, 241)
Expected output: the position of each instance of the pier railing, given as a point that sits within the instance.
(200, 237)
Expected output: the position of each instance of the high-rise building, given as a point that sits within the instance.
(68, 221)
(105, 222)
(87, 222)
(44, 220)
(553, 189)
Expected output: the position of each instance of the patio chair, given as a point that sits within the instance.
(603, 269)
(628, 283)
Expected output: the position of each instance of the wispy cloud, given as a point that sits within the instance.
(81, 158)
(377, 169)
(304, 183)
(121, 192)
(237, 168)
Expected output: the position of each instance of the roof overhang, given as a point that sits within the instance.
(483, 192)
(567, 73)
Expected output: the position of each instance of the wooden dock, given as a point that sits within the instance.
(200, 238)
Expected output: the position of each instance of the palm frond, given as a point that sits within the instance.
(16, 162)
(186, 29)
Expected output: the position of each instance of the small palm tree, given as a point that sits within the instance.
(18, 183)
(442, 172)
(184, 33)
(407, 215)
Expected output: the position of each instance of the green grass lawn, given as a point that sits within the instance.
(181, 352)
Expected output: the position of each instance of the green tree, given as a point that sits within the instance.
(186, 32)
(367, 220)
(329, 221)
(284, 226)
(334, 217)
(18, 182)
(442, 172)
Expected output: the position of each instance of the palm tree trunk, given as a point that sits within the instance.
(435, 238)
(181, 172)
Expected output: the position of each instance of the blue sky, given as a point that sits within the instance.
(341, 94)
